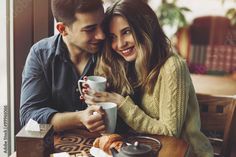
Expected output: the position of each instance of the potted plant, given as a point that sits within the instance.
(231, 14)
(171, 16)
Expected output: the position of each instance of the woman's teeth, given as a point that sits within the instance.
(127, 50)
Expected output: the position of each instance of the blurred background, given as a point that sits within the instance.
(203, 32)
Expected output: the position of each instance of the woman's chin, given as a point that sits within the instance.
(130, 58)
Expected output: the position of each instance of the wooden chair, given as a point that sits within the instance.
(217, 114)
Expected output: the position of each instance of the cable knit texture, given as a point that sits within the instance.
(172, 109)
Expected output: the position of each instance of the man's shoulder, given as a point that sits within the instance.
(45, 48)
(46, 43)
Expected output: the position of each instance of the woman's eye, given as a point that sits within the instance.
(127, 32)
(112, 37)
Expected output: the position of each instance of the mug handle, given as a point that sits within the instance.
(80, 86)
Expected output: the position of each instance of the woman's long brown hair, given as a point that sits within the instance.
(152, 46)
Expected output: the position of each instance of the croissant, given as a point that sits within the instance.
(108, 141)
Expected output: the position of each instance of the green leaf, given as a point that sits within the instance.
(185, 9)
(231, 14)
(172, 15)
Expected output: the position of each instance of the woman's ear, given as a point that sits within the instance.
(61, 28)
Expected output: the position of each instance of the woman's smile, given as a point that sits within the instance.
(128, 52)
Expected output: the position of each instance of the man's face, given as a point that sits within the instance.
(86, 34)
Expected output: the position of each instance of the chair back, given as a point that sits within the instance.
(217, 114)
(208, 45)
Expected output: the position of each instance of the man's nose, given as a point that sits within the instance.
(99, 34)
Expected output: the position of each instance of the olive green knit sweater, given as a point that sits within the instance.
(172, 109)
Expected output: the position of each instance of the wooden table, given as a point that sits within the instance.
(77, 140)
(214, 85)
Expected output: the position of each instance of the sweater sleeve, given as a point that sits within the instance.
(171, 92)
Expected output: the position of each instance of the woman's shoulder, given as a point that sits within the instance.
(174, 61)
(175, 58)
(175, 67)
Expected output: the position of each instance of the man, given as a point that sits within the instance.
(54, 65)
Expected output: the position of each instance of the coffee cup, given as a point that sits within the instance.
(110, 109)
(97, 83)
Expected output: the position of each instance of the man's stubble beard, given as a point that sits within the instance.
(90, 49)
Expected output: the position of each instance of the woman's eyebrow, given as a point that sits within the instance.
(125, 29)
(122, 30)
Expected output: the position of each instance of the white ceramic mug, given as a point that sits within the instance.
(97, 83)
(110, 109)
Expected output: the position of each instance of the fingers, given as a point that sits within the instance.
(96, 97)
(101, 111)
(90, 99)
(95, 119)
(85, 91)
(97, 127)
(94, 123)
(95, 111)
(85, 78)
(100, 129)
(90, 103)
(92, 92)
(101, 94)
(81, 97)
(93, 100)
(85, 86)
(94, 108)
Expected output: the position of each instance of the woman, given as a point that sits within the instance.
(156, 94)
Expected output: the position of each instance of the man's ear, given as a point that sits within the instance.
(61, 28)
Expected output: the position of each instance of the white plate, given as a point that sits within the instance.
(96, 152)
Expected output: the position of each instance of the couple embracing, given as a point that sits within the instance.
(150, 84)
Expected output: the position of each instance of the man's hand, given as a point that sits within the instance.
(93, 118)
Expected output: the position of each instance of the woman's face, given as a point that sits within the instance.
(121, 37)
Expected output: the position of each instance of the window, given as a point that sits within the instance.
(6, 137)
(3, 82)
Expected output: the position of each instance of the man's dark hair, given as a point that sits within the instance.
(65, 10)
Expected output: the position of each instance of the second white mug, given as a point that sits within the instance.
(110, 109)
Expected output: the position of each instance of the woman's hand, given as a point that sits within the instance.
(92, 97)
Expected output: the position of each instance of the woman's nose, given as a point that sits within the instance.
(121, 43)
